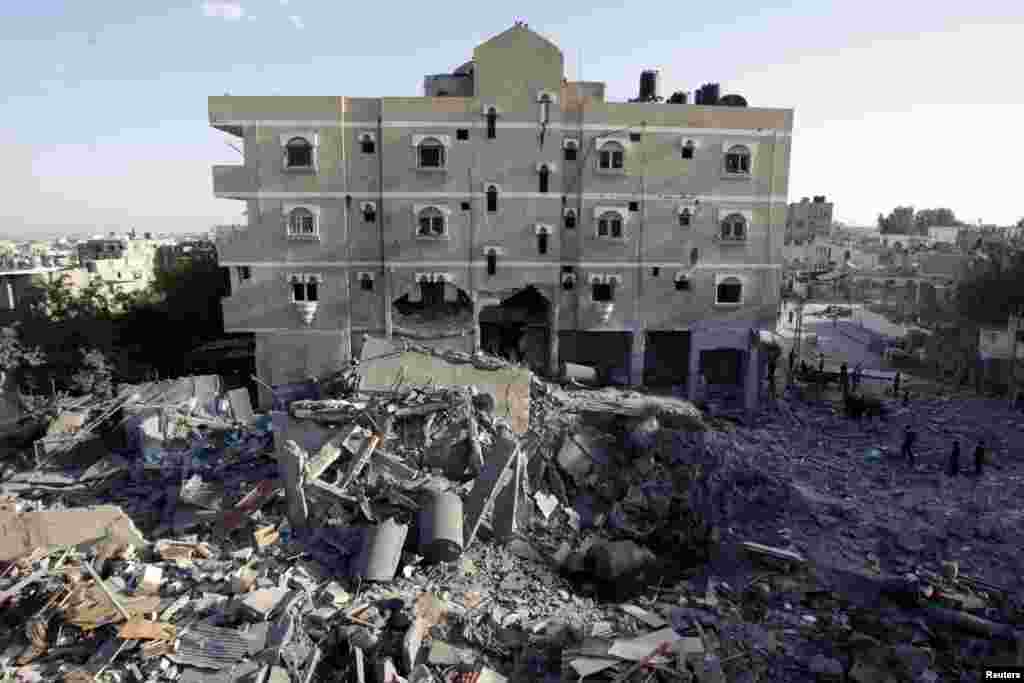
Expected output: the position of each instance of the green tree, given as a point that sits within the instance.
(95, 376)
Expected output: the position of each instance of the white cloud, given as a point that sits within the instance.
(297, 21)
(224, 9)
(284, 2)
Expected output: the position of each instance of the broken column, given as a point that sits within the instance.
(381, 551)
(440, 530)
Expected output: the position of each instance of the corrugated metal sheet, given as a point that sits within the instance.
(210, 647)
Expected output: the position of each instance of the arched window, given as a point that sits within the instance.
(729, 291)
(694, 256)
(299, 153)
(611, 156)
(609, 224)
(431, 223)
(737, 160)
(684, 218)
(602, 291)
(734, 228)
(492, 262)
(492, 123)
(545, 177)
(569, 148)
(542, 241)
(367, 144)
(492, 199)
(545, 107)
(688, 149)
(570, 219)
(431, 153)
(369, 213)
(301, 222)
(366, 282)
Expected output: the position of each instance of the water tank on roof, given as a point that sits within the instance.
(733, 101)
(650, 85)
(708, 94)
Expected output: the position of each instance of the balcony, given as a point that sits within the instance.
(233, 182)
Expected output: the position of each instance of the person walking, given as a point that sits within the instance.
(979, 457)
(909, 437)
(896, 385)
(856, 376)
(906, 397)
(821, 362)
(792, 360)
(954, 460)
(844, 379)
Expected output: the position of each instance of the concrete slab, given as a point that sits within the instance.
(241, 405)
(510, 387)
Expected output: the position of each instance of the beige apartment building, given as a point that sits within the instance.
(809, 219)
(509, 210)
(127, 264)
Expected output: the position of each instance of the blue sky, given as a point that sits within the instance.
(104, 124)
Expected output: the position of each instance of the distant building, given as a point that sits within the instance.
(947, 234)
(170, 256)
(129, 265)
(808, 219)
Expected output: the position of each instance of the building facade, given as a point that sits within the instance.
(808, 219)
(129, 265)
(508, 210)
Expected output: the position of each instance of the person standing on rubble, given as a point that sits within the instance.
(844, 379)
(896, 385)
(856, 376)
(906, 397)
(909, 437)
(954, 460)
(821, 362)
(979, 457)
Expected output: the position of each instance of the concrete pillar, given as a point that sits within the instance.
(752, 384)
(9, 291)
(553, 321)
(477, 334)
(636, 356)
(693, 376)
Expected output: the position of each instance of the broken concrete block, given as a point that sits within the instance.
(440, 528)
(66, 423)
(21, 533)
(382, 550)
(241, 406)
(490, 483)
(264, 601)
(141, 629)
(429, 611)
(576, 455)
(149, 584)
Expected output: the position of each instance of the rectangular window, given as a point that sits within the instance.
(616, 228)
(635, 137)
(244, 273)
(431, 157)
(601, 291)
(634, 206)
(605, 159)
(311, 292)
(570, 153)
(655, 272)
(602, 228)
(462, 134)
(617, 158)
(366, 284)
(298, 291)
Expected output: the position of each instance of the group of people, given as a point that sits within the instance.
(953, 465)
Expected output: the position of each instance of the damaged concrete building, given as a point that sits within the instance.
(508, 210)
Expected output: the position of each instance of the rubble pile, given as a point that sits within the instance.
(415, 526)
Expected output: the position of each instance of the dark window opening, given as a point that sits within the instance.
(616, 227)
(462, 134)
(655, 271)
(568, 283)
(431, 223)
(602, 291)
(369, 214)
(492, 262)
(734, 228)
(465, 206)
(684, 218)
(368, 145)
(688, 150)
(545, 175)
(244, 272)
(611, 157)
(492, 199)
(737, 160)
(570, 152)
(634, 206)
(635, 137)
(694, 256)
(311, 292)
(492, 120)
(683, 284)
(301, 222)
(570, 219)
(729, 292)
(298, 291)
(602, 227)
(542, 243)
(299, 153)
(617, 159)
(432, 293)
(366, 283)
(791, 317)
(431, 154)
(442, 93)
(566, 270)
